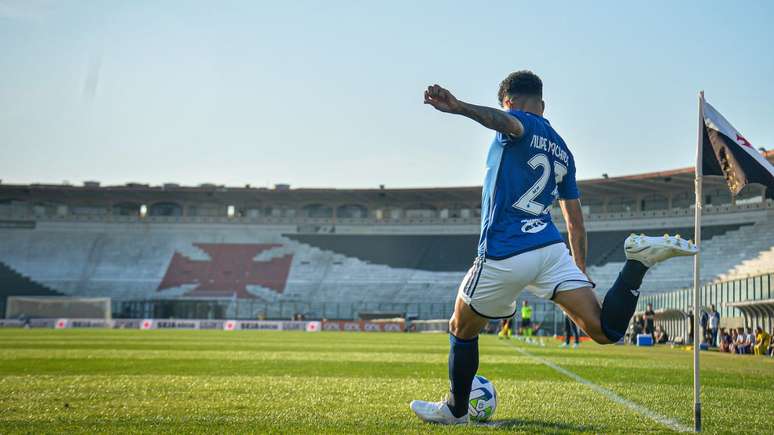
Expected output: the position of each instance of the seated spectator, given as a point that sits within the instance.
(724, 341)
(638, 326)
(742, 344)
(761, 341)
(749, 340)
(660, 335)
(734, 337)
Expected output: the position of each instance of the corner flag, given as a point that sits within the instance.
(720, 150)
(729, 154)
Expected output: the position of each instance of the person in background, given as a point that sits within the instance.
(704, 324)
(741, 339)
(638, 326)
(761, 341)
(506, 328)
(713, 324)
(690, 326)
(570, 328)
(725, 341)
(745, 341)
(750, 339)
(771, 344)
(661, 336)
(650, 321)
(733, 347)
(526, 319)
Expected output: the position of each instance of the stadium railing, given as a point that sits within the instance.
(722, 294)
(324, 224)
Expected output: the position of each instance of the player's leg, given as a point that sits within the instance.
(582, 307)
(483, 295)
(608, 323)
(575, 333)
(464, 327)
(504, 331)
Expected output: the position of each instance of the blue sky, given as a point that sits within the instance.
(329, 93)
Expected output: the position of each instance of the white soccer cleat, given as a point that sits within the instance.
(652, 250)
(436, 412)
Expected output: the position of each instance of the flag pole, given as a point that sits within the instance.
(697, 310)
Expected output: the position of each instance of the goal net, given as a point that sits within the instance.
(56, 307)
(437, 325)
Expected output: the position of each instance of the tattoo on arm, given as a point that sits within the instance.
(492, 118)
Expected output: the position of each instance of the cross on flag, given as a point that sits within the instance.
(727, 153)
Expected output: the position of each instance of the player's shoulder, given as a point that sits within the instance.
(523, 116)
(528, 122)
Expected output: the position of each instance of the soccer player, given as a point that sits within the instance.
(570, 330)
(526, 319)
(528, 167)
(506, 326)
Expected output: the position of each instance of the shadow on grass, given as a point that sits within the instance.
(537, 426)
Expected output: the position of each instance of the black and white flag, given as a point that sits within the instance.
(727, 153)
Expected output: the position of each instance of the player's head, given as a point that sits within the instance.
(522, 90)
(524, 303)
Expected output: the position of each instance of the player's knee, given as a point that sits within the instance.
(594, 330)
(600, 337)
(461, 329)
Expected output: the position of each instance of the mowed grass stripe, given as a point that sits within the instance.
(666, 386)
(284, 404)
(610, 395)
(294, 382)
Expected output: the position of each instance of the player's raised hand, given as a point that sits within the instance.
(441, 99)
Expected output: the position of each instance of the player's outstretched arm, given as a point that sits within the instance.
(576, 230)
(489, 117)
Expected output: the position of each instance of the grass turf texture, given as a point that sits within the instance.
(292, 382)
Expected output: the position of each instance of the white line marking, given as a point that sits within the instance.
(666, 421)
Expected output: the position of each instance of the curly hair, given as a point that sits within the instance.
(523, 83)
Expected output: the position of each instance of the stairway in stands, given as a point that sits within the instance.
(12, 283)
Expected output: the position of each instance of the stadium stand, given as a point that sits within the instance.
(722, 253)
(12, 283)
(145, 244)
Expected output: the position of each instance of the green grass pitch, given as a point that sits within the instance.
(104, 381)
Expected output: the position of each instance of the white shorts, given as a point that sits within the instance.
(491, 287)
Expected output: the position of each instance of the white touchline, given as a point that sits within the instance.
(668, 422)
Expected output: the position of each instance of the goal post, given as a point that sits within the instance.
(58, 307)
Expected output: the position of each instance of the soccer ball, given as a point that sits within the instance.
(483, 399)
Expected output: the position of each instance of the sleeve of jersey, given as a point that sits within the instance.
(568, 188)
(526, 122)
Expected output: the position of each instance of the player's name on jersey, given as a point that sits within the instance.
(542, 143)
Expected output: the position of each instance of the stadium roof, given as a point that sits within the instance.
(660, 183)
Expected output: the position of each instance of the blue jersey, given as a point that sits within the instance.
(524, 176)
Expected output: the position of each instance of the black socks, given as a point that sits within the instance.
(621, 300)
(463, 365)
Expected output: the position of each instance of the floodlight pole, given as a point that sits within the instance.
(697, 310)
